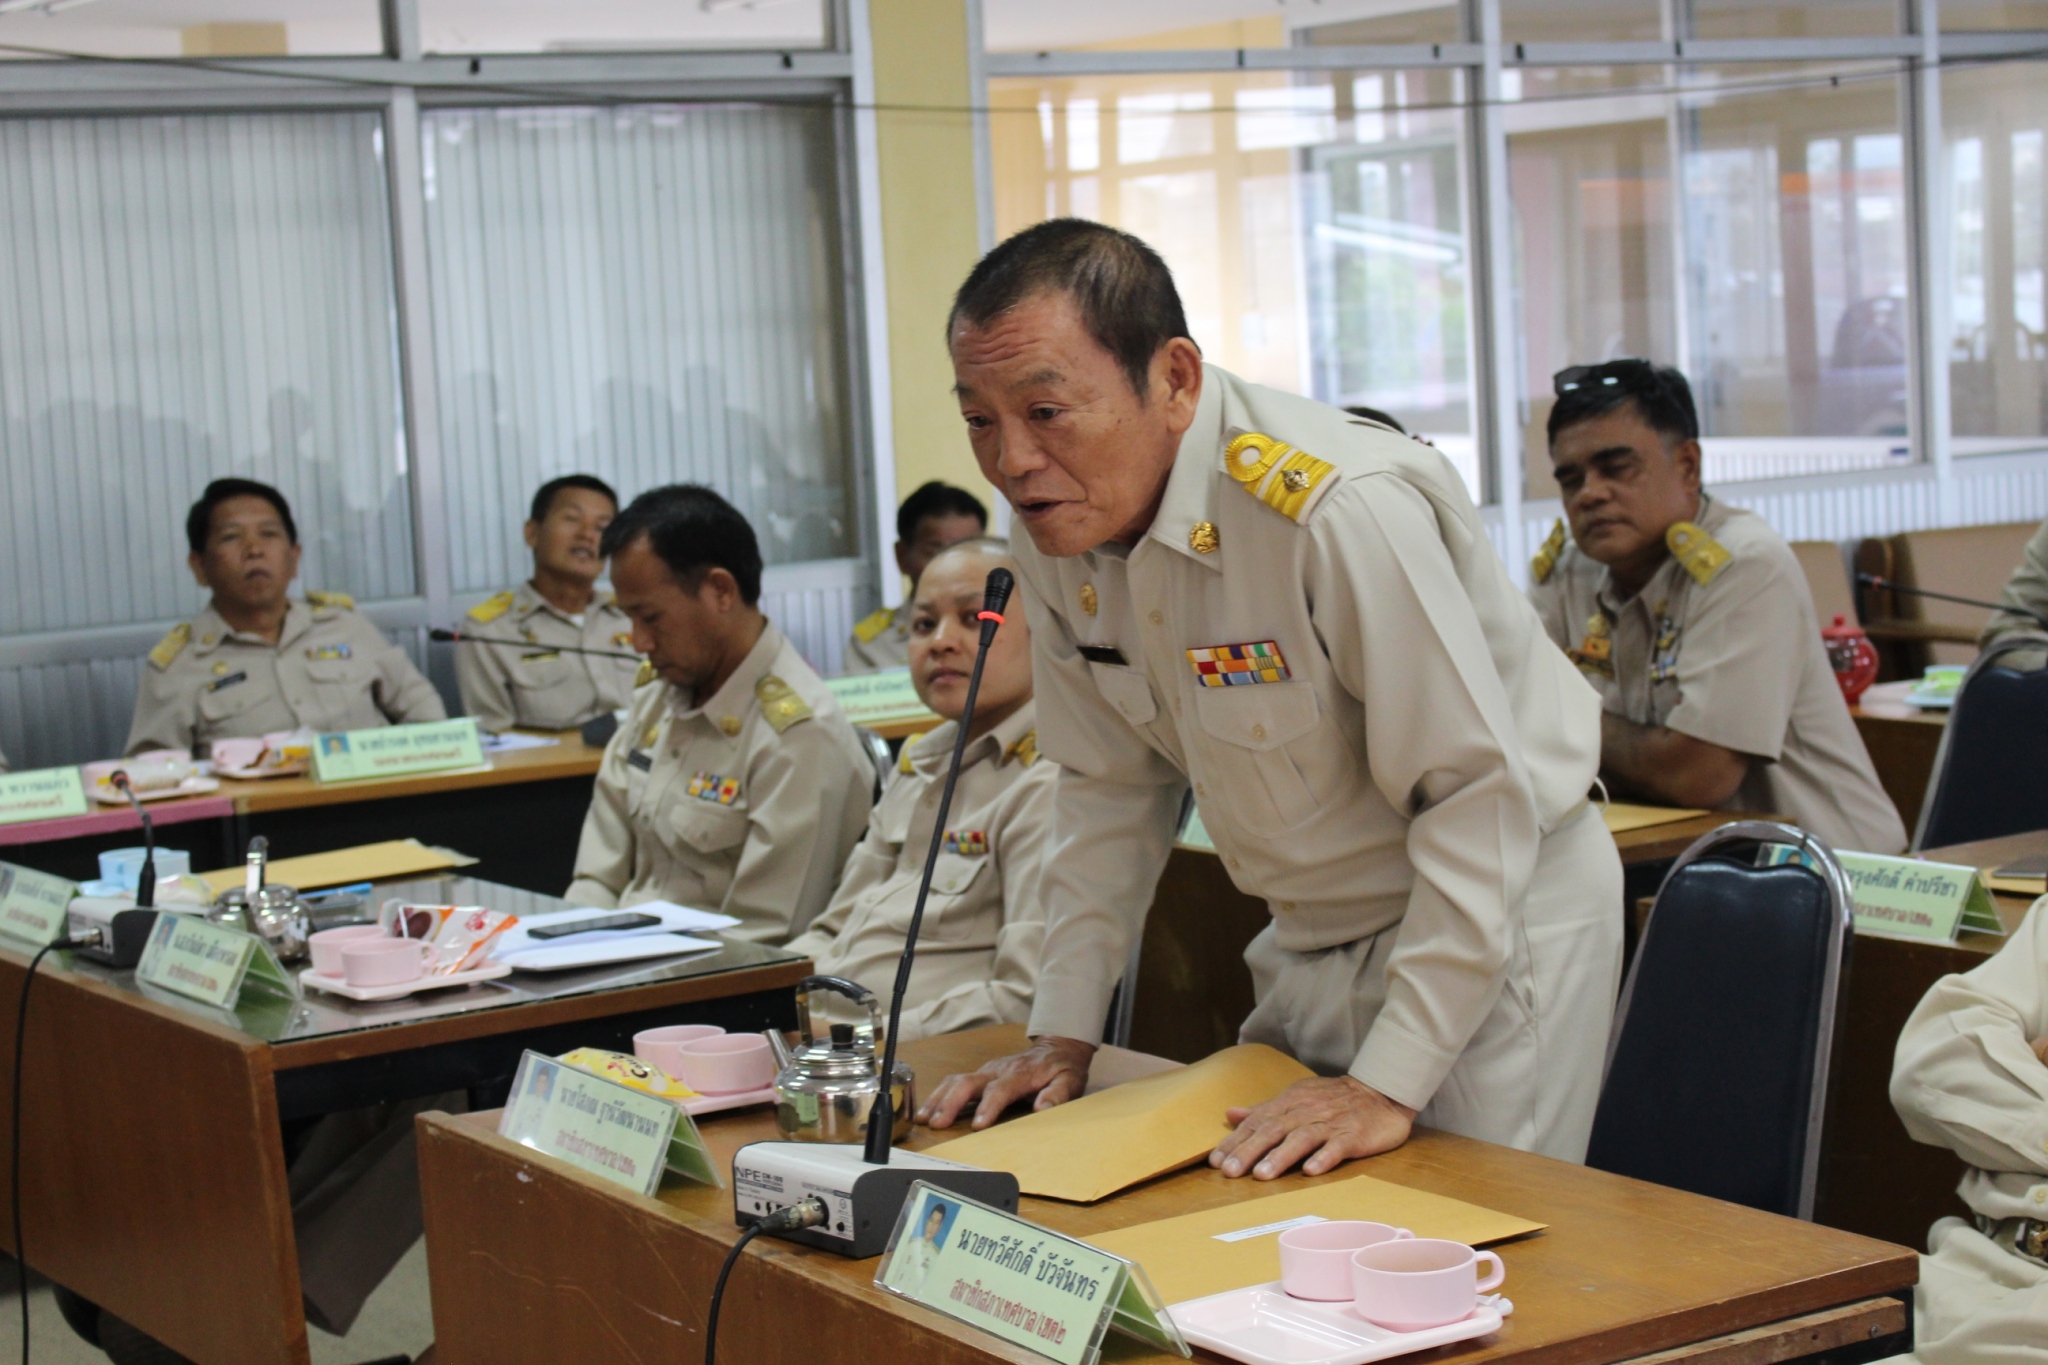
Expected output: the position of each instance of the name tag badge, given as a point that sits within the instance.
(641, 759)
(540, 656)
(229, 681)
(1103, 654)
(1030, 1286)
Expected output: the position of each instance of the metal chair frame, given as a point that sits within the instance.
(1993, 652)
(1841, 925)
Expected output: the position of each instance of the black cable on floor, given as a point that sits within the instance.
(14, 1146)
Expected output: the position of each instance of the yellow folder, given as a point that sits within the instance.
(363, 863)
(1621, 817)
(1090, 1148)
(1186, 1260)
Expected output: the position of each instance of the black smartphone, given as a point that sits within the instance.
(595, 922)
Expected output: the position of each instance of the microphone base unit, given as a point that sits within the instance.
(123, 929)
(861, 1200)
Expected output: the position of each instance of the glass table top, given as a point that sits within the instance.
(276, 1019)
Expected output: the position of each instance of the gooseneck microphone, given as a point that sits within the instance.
(1871, 580)
(461, 637)
(145, 881)
(882, 1117)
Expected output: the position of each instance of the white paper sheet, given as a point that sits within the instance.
(675, 919)
(589, 950)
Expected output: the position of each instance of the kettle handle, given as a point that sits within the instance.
(838, 985)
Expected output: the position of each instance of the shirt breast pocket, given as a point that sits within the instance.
(538, 674)
(219, 705)
(1127, 690)
(708, 827)
(1252, 728)
(949, 915)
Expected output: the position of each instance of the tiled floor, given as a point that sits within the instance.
(396, 1321)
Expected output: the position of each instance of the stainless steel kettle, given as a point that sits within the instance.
(272, 912)
(828, 1083)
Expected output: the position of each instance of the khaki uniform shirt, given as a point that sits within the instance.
(1735, 660)
(1964, 1076)
(329, 670)
(747, 804)
(1414, 740)
(2028, 587)
(532, 683)
(881, 641)
(977, 952)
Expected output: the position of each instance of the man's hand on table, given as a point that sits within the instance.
(1327, 1119)
(1055, 1068)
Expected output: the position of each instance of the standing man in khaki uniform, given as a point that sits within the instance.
(2027, 589)
(255, 662)
(935, 516)
(1971, 1075)
(529, 681)
(1694, 622)
(736, 783)
(977, 955)
(1300, 614)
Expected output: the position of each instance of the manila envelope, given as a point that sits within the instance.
(1184, 1259)
(363, 863)
(1088, 1149)
(1622, 817)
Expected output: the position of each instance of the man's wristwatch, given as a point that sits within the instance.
(2026, 1237)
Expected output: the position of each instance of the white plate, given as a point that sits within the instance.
(334, 985)
(1263, 1326)
(258, 774)
(191, 786)
(1932, 701)
(711, 1104)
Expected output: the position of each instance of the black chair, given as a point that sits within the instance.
(1991, 772)
(1717, 1068)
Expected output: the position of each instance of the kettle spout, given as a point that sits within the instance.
(781, 1049)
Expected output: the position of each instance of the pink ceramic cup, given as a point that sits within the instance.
(726, 1066)
(1315, 1259)
(385, 961)
(326, 945)
(663, 1047)
(1415, 1285)
(236, 753)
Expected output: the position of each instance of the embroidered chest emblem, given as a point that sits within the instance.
(1239, 665)
(330, 652)
(711, 787)
(1664, 655)
(970, 843)
(1595, 653)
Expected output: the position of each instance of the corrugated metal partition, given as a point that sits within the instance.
(650, 293)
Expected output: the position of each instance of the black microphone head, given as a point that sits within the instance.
(443, 635)
(995, 594)
(118, 779)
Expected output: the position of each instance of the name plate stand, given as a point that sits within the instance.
(32, 904)
(1910, 898)
(210, 963)
(597, 1125)
(878, 698)
(396, 750)
(1050, 1294)
(41, 794)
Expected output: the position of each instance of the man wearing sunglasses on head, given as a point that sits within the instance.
(1693, 621)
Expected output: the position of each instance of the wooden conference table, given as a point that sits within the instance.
(153, 1167)
(531, 1260)
(520, 816)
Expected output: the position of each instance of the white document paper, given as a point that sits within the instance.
(592, 950)
(518, 946)
(507, 743)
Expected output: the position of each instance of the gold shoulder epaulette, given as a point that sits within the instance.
(873, 624)
(321, 600)
(903, 763)
(1025, 750)
(1544, 563)
(646, 674)
(491, 608)
(1698, 553)
(1287, 480)
(171, 646)
(781, 707)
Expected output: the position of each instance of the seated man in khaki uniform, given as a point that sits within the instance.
(2026, 590)
(736, 783)
(1971, 1074)
(255, 661)
(1693, 621)
(526, 679)
(929, 520)
(977, 954)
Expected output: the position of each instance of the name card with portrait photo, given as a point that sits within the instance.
(397, 750)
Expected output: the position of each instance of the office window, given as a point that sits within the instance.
(472, 26)
(1580, 21)
(180, 299)
(1794, 18)
(1315, 224)
(152, 28)
(650, 293)
(1994, 123)
(1964, 15)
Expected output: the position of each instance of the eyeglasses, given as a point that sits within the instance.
(1631, 376)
